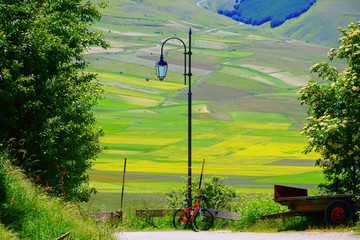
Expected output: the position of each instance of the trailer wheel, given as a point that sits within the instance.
(339, 212)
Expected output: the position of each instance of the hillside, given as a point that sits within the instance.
(152, 16)
(315, 26)
(246, 116)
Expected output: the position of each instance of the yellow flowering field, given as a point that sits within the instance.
(141, 81)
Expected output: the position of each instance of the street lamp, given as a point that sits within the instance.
(161, 69)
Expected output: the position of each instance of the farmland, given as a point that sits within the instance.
(246, 116)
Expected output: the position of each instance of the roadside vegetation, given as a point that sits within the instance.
(248, 206)
(28, 212)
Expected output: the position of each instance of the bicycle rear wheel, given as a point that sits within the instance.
(203, 220)
(180, 219)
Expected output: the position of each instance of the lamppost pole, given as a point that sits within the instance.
(189, 123)
(161, 70)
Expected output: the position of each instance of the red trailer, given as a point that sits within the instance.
(334, 209)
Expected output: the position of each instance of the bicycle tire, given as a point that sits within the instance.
(203, 220)
(180, 219)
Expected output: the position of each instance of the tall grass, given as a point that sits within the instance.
(31, 214)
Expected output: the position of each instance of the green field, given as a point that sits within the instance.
(246, 116)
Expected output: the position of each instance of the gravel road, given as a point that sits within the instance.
(188, 235)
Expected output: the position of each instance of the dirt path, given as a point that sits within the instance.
(214, 29)
(189, 235)
(200, 2)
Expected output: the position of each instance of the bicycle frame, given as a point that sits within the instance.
(188, 211)
(196, 217)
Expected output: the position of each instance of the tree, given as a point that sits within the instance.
(46, 96)
(333, 125)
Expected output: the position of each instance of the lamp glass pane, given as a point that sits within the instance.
(161, 71)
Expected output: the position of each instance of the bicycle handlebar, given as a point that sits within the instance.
(185, 199)
(201, 197)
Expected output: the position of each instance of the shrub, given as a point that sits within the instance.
(218, 194)
(251, 206)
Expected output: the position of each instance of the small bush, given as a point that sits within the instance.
(252, 206)
(218, 194)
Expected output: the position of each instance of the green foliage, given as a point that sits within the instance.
(333, 127)
(218, 194)
(252, 206)
(27, 211)
(46, 95)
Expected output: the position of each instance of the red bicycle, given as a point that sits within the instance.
(195, 217)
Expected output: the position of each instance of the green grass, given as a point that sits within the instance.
(254, 74)
(27, 212)
(225, 54)
(110, 202)
(304, 178)
(258, 117)
(240, 82)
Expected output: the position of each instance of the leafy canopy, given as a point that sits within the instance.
(46, 96)
(333, 126)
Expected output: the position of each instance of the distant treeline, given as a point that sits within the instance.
(257, 12)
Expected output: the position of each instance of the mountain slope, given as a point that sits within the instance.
(155, 15)
(319, 24)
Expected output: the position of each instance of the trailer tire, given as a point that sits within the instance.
(339, 212)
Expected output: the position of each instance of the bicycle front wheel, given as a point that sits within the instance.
(203, 220)
(180, 219)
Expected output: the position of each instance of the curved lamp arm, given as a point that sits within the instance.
(164, 64)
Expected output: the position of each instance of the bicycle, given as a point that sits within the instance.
(196, 217)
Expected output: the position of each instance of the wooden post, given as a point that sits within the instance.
(122, 191)
(63, 236)
(201, 175)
